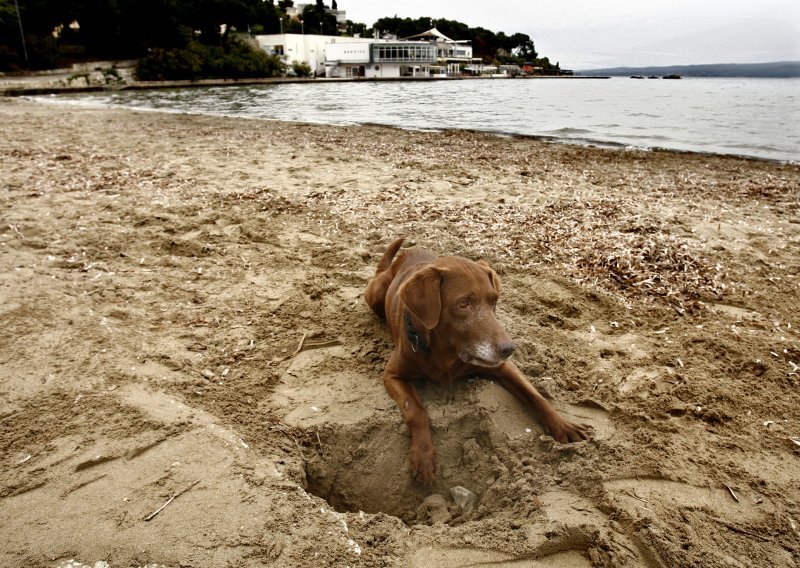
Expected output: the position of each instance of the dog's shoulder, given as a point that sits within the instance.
(412, 259)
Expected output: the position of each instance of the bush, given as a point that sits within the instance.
(301, 69)
(236, 60)
(43, 51)
(171, 64)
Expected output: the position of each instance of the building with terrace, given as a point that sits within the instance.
(450, 53)
(379, 59)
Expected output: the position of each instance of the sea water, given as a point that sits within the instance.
(757, 118)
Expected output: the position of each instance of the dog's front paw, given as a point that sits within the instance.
(423, 464)
(567, 432)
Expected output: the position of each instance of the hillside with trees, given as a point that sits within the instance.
(191, 39)
(60, 32)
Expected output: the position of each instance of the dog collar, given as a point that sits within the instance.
(417, 342)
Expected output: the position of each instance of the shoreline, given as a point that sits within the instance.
(579, 142)
(184, 323)
(12, 86)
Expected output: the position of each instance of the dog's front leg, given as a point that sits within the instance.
(554, 424)
(423, 453)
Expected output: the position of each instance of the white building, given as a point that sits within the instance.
(298, 48)
(379, 58)
(336, 56)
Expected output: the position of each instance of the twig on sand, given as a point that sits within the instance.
(299, 345)
(170, 500)
(735, 498)
(321, 344)
(632, 494)
(740, 530)
(295, 352)
(304, 346)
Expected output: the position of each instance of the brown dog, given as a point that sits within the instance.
(440, 311)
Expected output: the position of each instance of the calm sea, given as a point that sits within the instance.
(747, 117)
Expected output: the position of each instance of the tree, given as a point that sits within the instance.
(522, 46)
(317, 20)
(484, 44)
(403, 27)
(357, 28)
(40, 18)
(454, 29)
(238, 59)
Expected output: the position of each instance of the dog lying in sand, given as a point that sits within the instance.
(441, 312)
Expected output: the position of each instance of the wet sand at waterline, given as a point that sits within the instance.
(189, 375)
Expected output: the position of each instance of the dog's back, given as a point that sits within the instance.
(393, 270)
(375, 293)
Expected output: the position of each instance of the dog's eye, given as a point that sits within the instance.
(464, 303)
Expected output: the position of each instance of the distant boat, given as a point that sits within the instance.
(672, 76)
(636, 77)
(653, 77)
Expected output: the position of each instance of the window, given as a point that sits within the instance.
(400, 53)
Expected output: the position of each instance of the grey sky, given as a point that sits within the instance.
(585, 34)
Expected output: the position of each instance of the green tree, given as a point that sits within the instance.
(453, 29)
(403, 27)
(357, 28)
(522, 46)
(238, 60)
(39, 18)
(317, 21)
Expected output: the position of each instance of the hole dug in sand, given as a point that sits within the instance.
(364, 467)
(486, 442)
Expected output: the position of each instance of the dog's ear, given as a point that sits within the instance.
(422, 295)
(493, 278)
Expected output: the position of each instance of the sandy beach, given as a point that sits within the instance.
(189, 375)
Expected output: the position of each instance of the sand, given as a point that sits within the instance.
(189, 375)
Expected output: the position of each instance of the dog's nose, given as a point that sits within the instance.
(506, 348)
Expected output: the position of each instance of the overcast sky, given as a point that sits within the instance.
(586, 34)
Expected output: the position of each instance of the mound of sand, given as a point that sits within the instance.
(190, 377)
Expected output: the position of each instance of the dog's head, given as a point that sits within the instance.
(454, 299)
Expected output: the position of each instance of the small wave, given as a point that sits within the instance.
(650, 136)
(568, 131)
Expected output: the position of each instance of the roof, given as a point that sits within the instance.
(434, 33)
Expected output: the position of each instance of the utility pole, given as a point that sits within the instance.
(21, 32)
